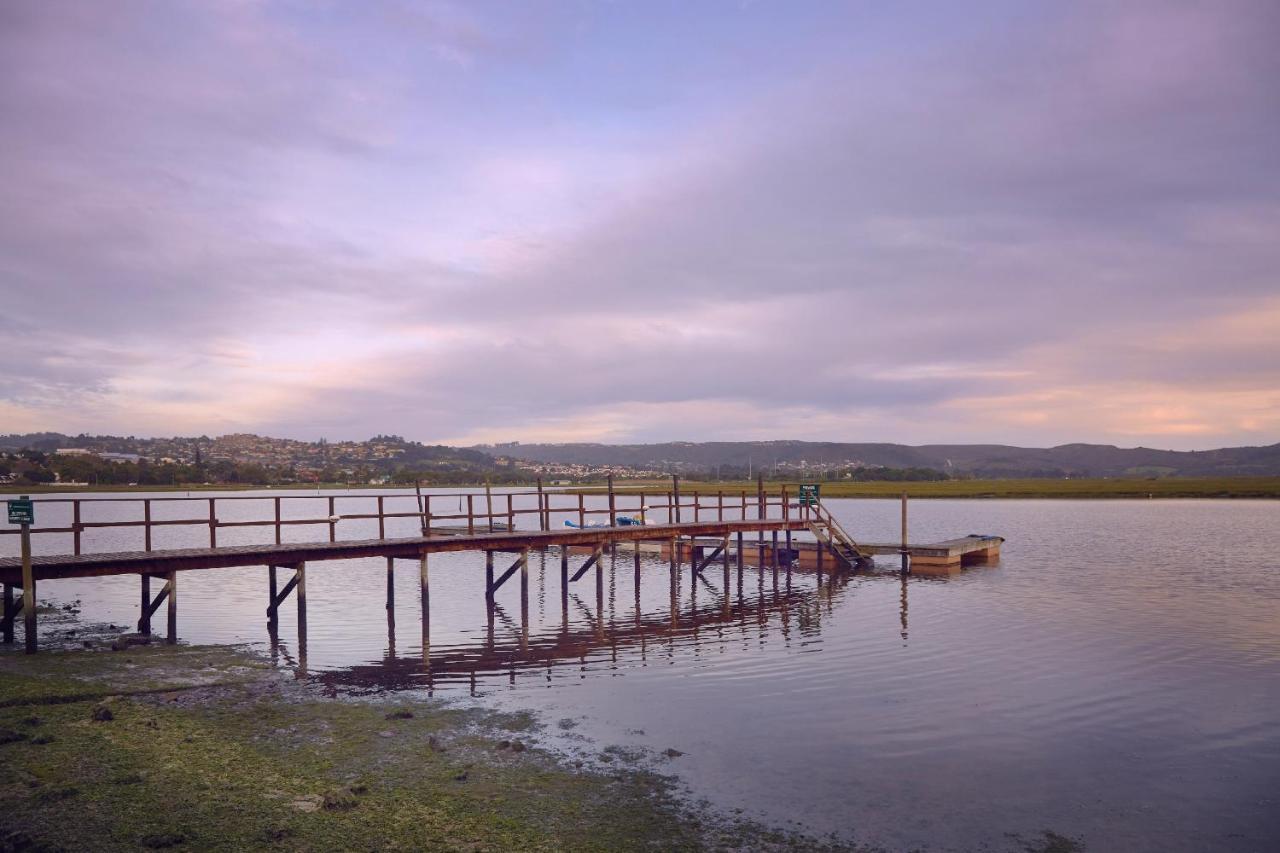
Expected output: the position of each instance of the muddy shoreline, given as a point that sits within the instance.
(209, 747)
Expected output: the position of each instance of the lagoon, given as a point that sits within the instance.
(1115, 678)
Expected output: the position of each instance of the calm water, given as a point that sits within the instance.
(1116, 677)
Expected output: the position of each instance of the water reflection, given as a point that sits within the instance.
(594, 631)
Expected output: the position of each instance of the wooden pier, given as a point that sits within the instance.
(696, 528)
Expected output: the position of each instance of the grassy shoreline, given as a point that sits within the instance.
(209, 748)
(1085, 489)
(1091, 489)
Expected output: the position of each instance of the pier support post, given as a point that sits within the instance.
(524, 599)
(171, 584)
(144, 621)
(391, 583)
(564, 577)
(9, 613)
(150, 605)
(725, 554)
(488, 574)
(300, 575)
(28, 591)
(424, 587)
(296, 583)
(273, 616)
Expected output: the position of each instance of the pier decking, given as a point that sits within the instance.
(732, 529)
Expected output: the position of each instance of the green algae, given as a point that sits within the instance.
(210, 749)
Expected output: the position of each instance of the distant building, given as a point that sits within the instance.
(73, 451)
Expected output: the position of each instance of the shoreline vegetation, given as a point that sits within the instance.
(1088, 489)
(204, 747)
(119, 745)
(1167, 487)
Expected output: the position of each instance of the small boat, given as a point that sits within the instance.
(620, 521)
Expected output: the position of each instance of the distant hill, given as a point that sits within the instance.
(976, 460)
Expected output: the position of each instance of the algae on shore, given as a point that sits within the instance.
(209, 748)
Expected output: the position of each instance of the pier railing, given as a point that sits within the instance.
(436, 513)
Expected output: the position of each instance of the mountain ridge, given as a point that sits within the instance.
(1077, 459)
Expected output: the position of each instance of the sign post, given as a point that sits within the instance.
(23, 512)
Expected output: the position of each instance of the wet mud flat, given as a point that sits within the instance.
(109, 741)
(189, 747)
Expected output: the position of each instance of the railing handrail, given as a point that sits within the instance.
(498, 508)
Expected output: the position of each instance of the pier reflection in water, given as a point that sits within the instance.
(618, 620)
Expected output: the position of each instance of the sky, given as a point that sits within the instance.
(1012, 222)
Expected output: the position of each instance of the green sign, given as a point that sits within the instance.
(22, 511)
(809, 494)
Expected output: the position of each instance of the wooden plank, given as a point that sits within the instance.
(162, 561)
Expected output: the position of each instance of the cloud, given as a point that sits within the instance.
(810, 223)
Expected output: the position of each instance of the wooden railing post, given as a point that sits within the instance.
(511, 514)
(720, 506)
(213, 524)
(675, 496)
(471, 516)
(75, 524)
(333, 525)
(276, 501)
(696, 507)
(382, 521)
(612, 502)
(543, 518)
(488, 503)
(582, 510)
(426, 520)
(146, 523)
